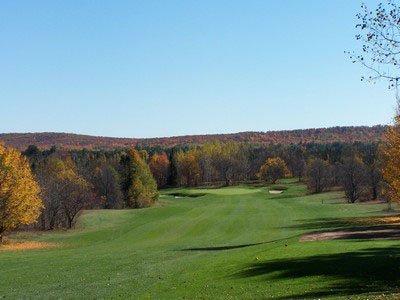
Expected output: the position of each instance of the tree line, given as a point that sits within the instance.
(218, 163)
(356, 168)
(50, 188)
(68, 181)
(344, 134)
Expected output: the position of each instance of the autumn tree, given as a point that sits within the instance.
(391, 162)
(106, 183)
(160, 168)
(208, 172)
(51, 191)
(295, 159)
(318, 174)
(20, 203)
(379, 36)
(64, 191)
(34, 155)
(188, 168)
(273, 169)
(144, 155)
(371, 159)
(230, 161)
(226, 162)
(77, 196)
(139, 186)
(353, 177)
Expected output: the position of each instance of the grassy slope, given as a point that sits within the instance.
(233, 242)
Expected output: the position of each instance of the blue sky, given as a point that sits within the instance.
(162, 68)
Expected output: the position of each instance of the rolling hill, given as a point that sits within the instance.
(346, 134)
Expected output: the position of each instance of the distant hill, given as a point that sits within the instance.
(346, 134)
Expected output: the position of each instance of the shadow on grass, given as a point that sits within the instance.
(220, 248)
(380, 227)
(231, 247)
(186, 195)
(374, 270)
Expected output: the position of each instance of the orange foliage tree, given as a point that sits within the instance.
(20, 203)
(188, 168)
(160, 167)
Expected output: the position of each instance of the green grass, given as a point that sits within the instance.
(234, 242)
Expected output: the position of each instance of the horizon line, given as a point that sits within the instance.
(189, 135)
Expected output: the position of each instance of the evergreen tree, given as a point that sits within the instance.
(139, 186)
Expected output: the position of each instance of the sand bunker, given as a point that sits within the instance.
(275, 192)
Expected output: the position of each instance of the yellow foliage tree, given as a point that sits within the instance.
(20, 203)
(390, 152)
(188, 167)
(273, 169)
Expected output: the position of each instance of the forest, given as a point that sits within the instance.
(73, 180)
(344, 134)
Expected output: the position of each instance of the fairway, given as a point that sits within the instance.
(231, 242)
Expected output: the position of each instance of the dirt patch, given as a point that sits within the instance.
(28, 245)
(390, 219)
(370, 232)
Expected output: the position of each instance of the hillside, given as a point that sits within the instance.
(316, 135)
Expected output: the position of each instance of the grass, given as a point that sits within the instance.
(233, 242)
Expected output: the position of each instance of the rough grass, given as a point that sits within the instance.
(25, 245)
(238, 242)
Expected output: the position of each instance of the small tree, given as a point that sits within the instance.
(51, 191)
(353, 177)
(318, 175)
(20, 203)
(273, 169)
(139, 185)
(76, 197)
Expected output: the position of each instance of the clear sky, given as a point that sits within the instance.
(161, 68)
